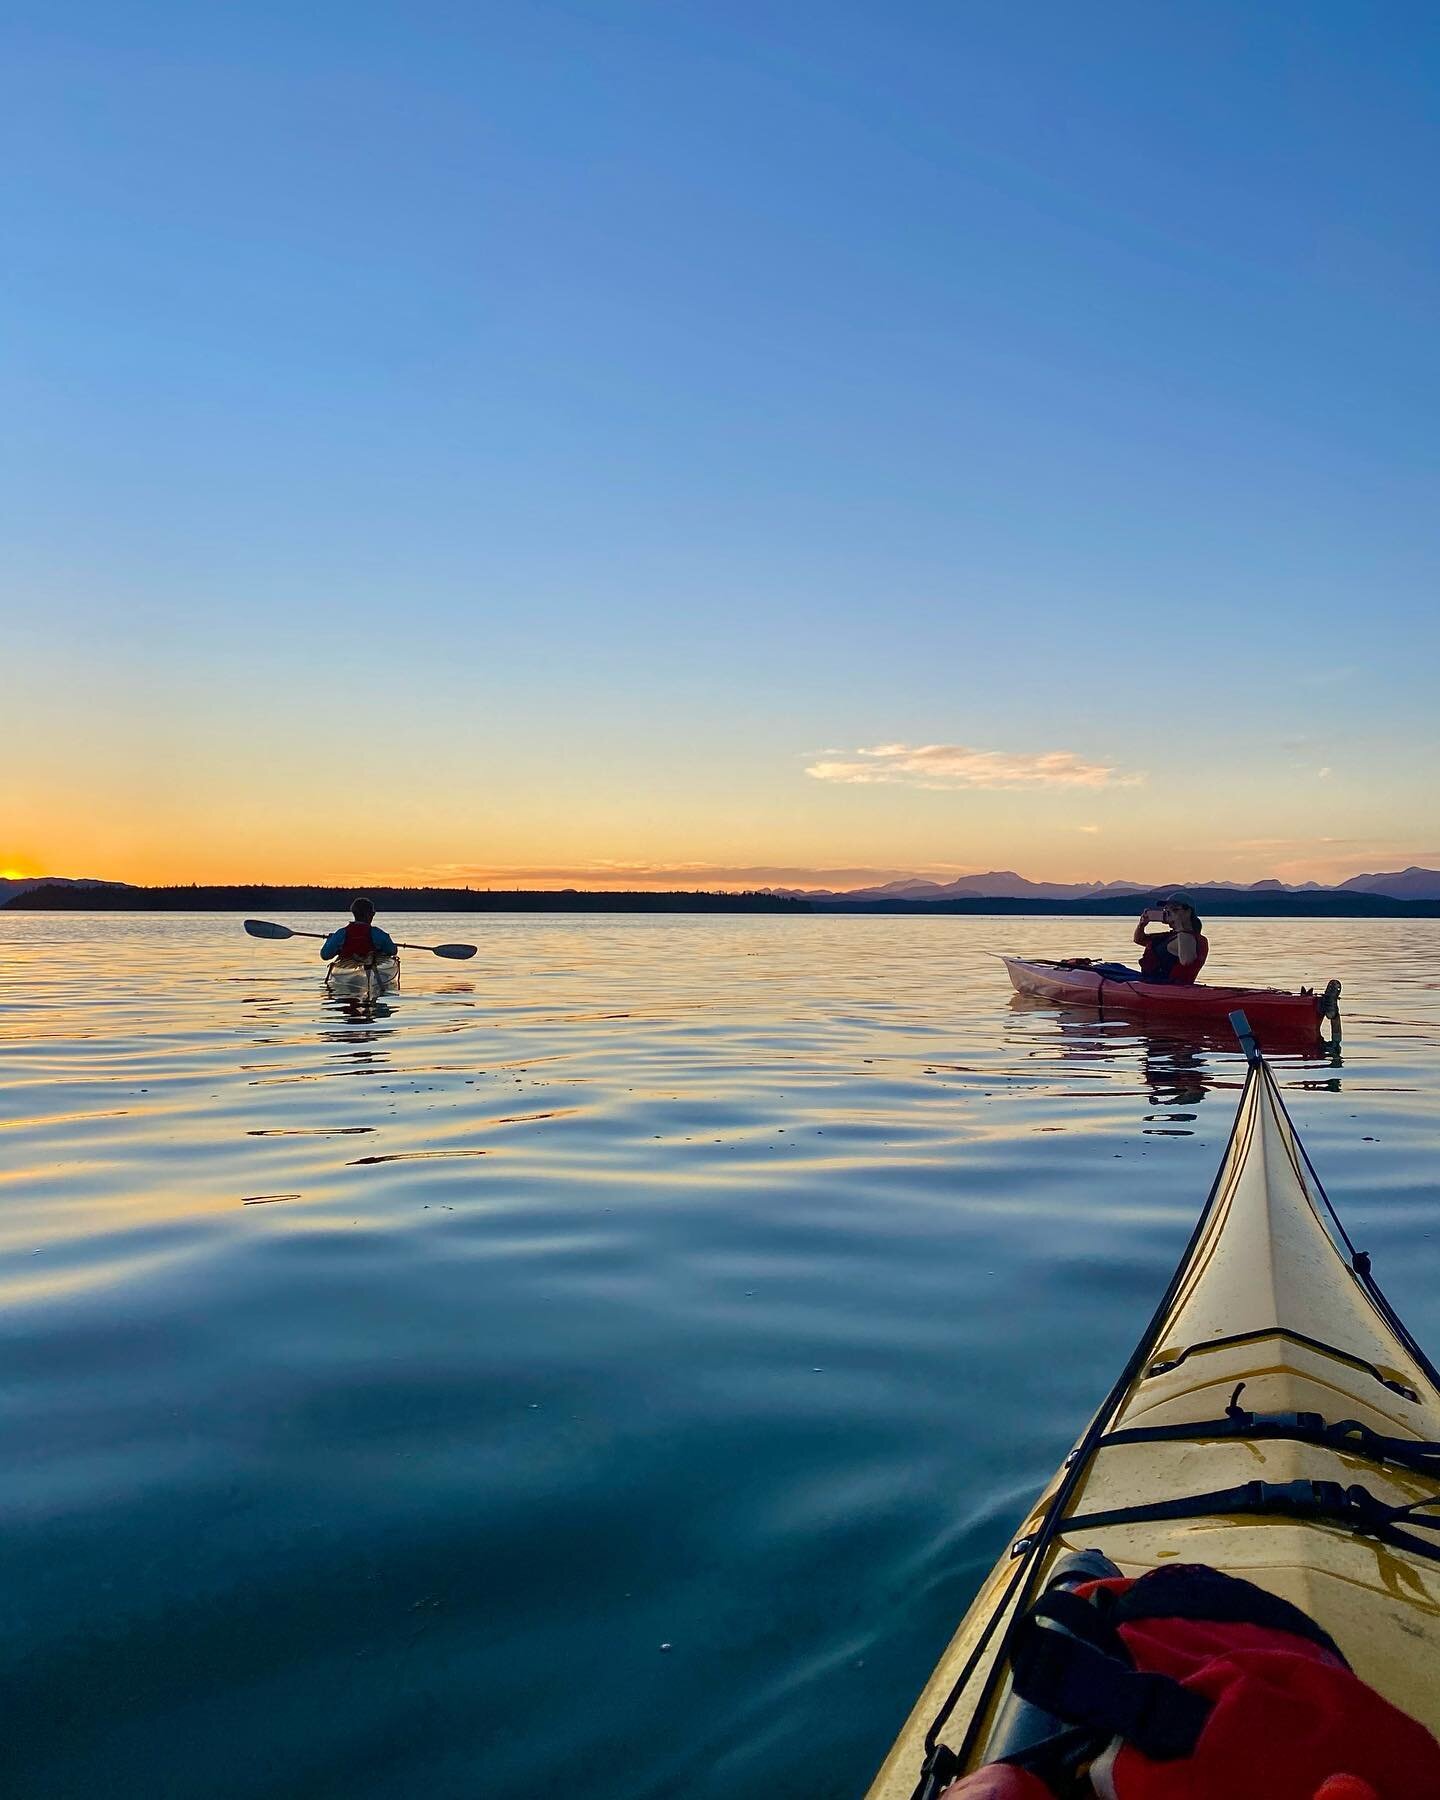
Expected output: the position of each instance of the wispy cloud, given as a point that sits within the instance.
(1329, 859)
(959, 766)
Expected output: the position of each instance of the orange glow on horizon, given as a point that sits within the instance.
(848, 836)
(1192, 867)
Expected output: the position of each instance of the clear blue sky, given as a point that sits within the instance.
(553, 430)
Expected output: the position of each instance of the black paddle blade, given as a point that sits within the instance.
(456, 952)
(261, 928)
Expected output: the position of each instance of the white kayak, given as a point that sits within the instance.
(1277, 1421)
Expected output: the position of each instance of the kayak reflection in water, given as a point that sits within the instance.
(361, 941)
(1176, 955)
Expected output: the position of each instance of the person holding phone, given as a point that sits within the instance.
(1176, 955)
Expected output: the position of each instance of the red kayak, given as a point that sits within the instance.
(1297, 1015)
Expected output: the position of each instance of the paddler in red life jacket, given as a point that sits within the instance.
(1178, 955)
(360, 941)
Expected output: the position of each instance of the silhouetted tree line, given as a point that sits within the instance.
(264, 897)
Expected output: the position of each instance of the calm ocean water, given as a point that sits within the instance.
(608, 1366)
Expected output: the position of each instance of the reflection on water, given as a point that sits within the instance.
(386, 1383)
(1177, 1078)
(1178, 1066)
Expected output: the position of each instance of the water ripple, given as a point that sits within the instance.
(725, 1284)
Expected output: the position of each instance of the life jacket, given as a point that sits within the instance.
(1195, 1685)
(359, 945)
(1160, 963)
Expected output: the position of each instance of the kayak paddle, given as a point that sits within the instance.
(262, 928)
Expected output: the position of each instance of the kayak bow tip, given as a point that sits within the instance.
(1240, 1025)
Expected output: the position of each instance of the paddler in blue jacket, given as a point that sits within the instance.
(361, 940)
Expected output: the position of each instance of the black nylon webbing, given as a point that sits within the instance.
(1347, 1435)
(1321, 1502)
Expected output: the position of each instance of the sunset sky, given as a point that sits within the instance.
(715, 444)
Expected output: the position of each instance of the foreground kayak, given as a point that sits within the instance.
(1272, 1417)
(1269, 1010)
(363, 979)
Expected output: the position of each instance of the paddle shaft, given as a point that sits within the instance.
(434, 949)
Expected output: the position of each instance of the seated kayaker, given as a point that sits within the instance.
(1175, 955)
(1178, 955)
(362, 940)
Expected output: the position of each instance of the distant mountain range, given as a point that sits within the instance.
(1405, 884)
(1004, 884)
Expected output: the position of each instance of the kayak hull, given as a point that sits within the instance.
(1263, 1297)
(1269, 1010)
(363, 980)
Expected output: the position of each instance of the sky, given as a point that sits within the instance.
(719, 444)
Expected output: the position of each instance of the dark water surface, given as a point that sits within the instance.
(608, 1367)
